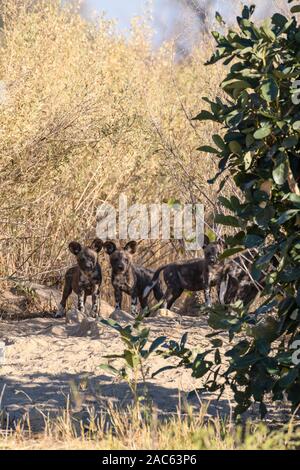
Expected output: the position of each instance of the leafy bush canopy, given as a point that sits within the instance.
(260, 150)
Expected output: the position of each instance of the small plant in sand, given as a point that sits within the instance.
(134, 368)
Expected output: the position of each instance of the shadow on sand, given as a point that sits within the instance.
(41, 395)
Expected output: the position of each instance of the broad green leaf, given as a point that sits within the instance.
(227, 220)
(269, 90)
(248, 160)
(239, 349)
(235, 147)
(234, 119)
(156, 343)
(266, 258)
(225, 202)
(131, 358)
(295, 9)
(246, 361)
(252, 241)
(294, 198)
(262, 133)
(234, 84)
(267, 30)
(219, 141)
(219, 18)
(207, 149)
(290, 141)
(163, 369)
(281, 169)
(202, 369)
(205, 116)
(248, 11)
(287, 215)
(279, 20)
(296, 125)
(249, 140)
(231, 252)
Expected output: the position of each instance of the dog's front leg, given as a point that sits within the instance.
(61, 312)
(223, 290)
(81, 301)
(118, 298)
(207, 297)
(134, 302)
(96, 300)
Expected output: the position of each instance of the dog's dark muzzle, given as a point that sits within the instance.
(90, 268)
(120, 268)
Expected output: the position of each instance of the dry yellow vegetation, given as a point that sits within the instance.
(127, 430)
(91, 113)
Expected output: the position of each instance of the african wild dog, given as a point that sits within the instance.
(233, 279)
(84, 279)
(234, 283)
(128, 277)
(191, 275)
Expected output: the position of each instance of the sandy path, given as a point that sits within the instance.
(46, 364)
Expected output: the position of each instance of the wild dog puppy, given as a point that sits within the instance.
(191, 275)
(128, 277)
(233, 281)
(84, 279)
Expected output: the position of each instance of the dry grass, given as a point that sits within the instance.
(91, 114)
(127, 430)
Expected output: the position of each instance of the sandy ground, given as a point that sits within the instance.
(49, 364)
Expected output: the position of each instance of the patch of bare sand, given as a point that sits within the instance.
(49, 363)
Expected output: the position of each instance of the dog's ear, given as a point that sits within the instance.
(75, 248)
(109, 247)
(222, 244)
(131, 247)
(97, 245)
(206, 241)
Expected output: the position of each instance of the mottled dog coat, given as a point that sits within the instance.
(233, 281)
(128, 277)
(191, 275)
(85, 278)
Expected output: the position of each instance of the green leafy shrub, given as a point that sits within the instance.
(259, 149)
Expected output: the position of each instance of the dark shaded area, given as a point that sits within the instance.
(51, 395)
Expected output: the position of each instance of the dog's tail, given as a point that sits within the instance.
(154, 281)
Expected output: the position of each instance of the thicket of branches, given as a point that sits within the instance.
(90, 113)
